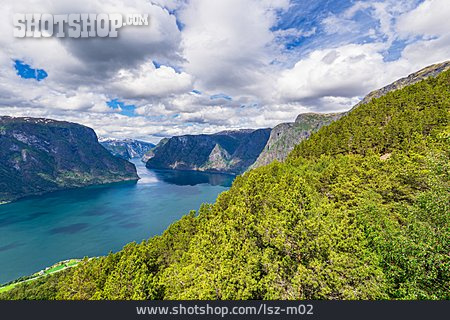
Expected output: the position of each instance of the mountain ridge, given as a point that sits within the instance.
(126, 148)
(231, 151)
(424, 73)
(42, 155)
(358, 211)
(285, 136)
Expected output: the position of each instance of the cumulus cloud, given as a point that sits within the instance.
(147, 81)
(429, 22)
(220, 48)
(335, 78)
(346, 71)
(88, 59)
(430, 18)
(227, 44)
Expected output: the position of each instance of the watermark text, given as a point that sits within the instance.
(76, 25)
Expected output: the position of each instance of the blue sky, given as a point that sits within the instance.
(308, 16)
(124, 109)
(25, 71)
(204, 66)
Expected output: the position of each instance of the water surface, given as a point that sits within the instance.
(36, 232)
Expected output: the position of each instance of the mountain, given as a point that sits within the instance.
(126, 149)
(430, 71)
(150, 154)
(228, 151)
(285, 136)
(360, 210)
(41, 155)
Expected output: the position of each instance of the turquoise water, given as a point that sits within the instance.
(36, 232)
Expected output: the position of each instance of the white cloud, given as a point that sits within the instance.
(296, 33)
(339, 25)
(227, 44)
(347, 71)
(77, 61)
(81, 100)
(226, 47)
(333, 78)
(148, 81)
(430, 18)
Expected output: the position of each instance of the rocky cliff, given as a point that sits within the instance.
(285, 136)
(41, 155)
(229, 151)
(127, 148)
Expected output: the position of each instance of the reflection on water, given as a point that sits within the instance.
(38, 231)
(192, 178)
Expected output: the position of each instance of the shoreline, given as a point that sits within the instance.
(57, 267)
(195, 171)
(94, 185)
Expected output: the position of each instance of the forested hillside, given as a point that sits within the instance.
(285, 136)
(358, 211)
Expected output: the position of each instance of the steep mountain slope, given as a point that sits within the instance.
(150, 154)
(285, 136)
(228, 151)
(41, 155)
(126, 149)
(430, 71)
(360, 210)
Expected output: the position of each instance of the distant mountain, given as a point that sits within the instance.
(41, 155)
(358, 211)
(126, 149)
(227, 151)
(285, 136)
(150, 154)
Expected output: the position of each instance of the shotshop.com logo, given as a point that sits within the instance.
(75, 25)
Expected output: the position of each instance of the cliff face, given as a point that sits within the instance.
(285, 136)
(150, 154)
(41, 155)
(228, 151)
(127, 148)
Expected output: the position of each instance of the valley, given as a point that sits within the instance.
(355, 207)
(37, 231)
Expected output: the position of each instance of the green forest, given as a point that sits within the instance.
(358, 211)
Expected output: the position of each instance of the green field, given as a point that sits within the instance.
(55, 268)
(8, 287)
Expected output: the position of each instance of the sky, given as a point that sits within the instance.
(204, 66)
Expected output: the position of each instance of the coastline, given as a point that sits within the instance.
(57, 267)
(62, 189)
